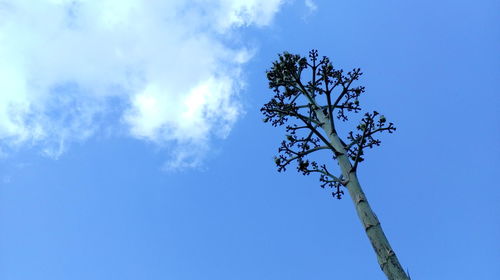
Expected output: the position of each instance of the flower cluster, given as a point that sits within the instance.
(371, 124)
(305, 107)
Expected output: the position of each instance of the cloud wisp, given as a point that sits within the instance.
(70, 68)
(311, 8)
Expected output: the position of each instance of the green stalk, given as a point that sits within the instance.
(386, 257)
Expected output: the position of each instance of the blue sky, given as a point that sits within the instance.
(132, 145)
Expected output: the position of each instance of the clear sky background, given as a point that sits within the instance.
(132, 145)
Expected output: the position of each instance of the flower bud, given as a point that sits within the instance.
(277, 160)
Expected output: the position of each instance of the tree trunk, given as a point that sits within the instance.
(386, 257)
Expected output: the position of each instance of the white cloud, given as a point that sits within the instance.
(246, 12)
(70, 67)
(311, 7)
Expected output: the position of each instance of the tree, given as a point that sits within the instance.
(311, 112)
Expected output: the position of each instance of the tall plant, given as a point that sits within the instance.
(311, 111)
